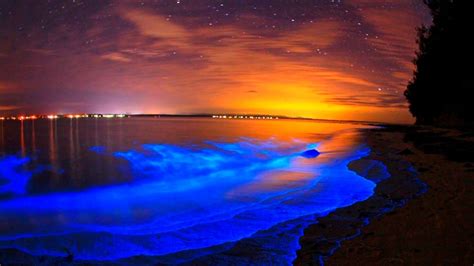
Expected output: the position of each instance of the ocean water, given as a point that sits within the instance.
(174, 190)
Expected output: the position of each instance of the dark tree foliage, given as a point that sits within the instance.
(440, 91)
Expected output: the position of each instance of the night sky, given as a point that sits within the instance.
(323, 59)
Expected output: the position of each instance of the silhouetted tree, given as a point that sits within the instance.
(440, 91)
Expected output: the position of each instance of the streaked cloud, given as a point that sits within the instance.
(157, 57)
(119, 57)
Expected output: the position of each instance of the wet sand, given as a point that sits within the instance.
(432, 227)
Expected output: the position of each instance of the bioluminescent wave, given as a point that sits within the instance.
(13, 180)
(186, 198)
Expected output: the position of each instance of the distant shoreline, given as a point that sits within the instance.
(211, 116)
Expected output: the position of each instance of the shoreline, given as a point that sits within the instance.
(322, 239)
(432, 227)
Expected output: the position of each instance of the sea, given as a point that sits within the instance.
(145, 190)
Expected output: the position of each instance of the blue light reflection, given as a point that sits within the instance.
(13, 179)
(184, 198)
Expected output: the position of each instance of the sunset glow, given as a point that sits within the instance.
(330, 59)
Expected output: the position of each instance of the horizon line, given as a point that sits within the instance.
(210, 115)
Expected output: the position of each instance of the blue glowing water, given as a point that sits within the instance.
(14, 180)
(185, 198)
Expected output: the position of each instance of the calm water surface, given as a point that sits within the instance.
(180, 190)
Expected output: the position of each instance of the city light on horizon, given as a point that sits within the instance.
(77, 116)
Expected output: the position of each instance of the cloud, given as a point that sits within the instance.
(394, 33)
(9, 107)
(114, 56)
(8, 87)
(316, 35)
(165, 58)
(168, 34)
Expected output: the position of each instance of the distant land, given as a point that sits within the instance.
(213, 116)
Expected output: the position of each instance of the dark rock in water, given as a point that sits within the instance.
(406, 152)
(310, 153)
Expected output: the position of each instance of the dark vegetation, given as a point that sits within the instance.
(441, 90)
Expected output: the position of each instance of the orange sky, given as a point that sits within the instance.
(344, 60)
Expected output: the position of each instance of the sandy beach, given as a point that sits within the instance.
(415, 226)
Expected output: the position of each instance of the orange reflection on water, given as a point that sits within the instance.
(2, 144)
(53, 146)
(333, 150)
(22, 138)
(269, 182)
(33, 137)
